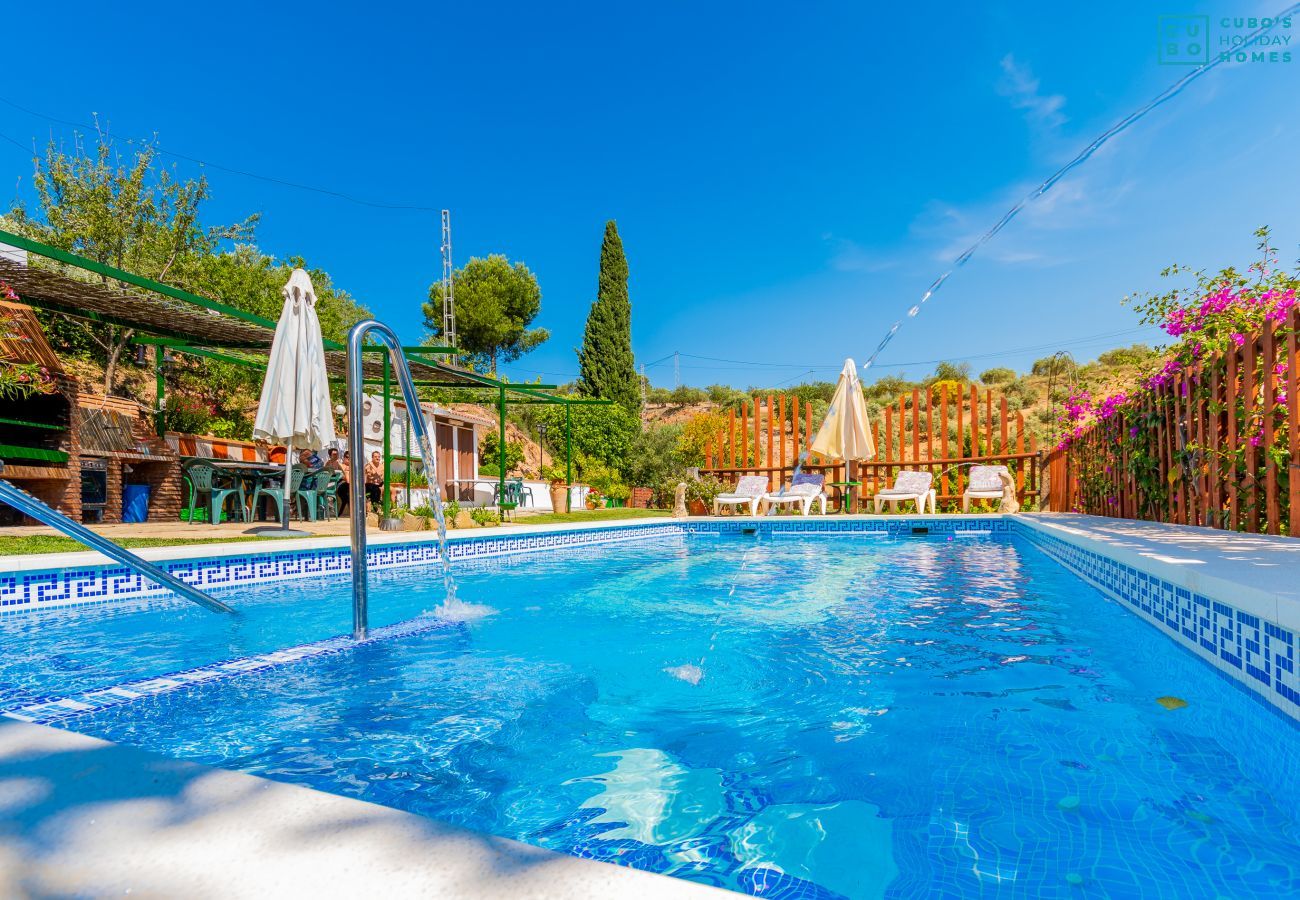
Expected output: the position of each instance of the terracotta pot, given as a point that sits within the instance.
(559, 493)
(697, 508)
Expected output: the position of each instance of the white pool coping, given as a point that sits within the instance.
(88, 818)
(1259, 574)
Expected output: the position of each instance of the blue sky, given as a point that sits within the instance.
(787, 179)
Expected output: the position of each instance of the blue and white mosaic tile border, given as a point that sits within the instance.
(44, 589)
(893, 526)
(46, 710)
(1258, 654)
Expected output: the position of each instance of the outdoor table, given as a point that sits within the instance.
(247, 472)
(847, 492)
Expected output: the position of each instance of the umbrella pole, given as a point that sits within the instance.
(288, 480)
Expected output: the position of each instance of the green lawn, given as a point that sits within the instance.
(593, 515)
(45, 543)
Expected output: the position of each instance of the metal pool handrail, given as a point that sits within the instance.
(28, 505)
(356, 444)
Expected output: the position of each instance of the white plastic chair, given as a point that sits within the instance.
(750, 489)
(803, 491)
(909, 485)
(985, 484)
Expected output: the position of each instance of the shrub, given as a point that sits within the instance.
(186, 415)
(997, 375)
(955, 390)
(704, 489)
(484, 516)
(1136, 355)
(656, 456)
(694, 438)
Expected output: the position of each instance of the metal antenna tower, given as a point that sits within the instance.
(643, 384)
(677, 369)
(448, 301)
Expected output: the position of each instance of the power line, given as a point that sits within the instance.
(228, 169)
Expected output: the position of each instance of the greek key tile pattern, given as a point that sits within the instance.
(23, 591)
(1257, 654)
(890, 525)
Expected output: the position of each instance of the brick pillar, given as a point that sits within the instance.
(113, 511)
(166, 496)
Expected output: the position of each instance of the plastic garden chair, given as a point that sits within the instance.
(206, 479)
(329, 496)
(272, 487)
(523, 493)
(311, 496)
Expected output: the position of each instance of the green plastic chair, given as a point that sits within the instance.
(206, 479)
(329, 497)
(272, 487)
(312, 495)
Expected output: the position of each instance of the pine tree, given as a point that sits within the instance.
(607, 368)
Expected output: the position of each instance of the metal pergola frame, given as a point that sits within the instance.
(206, 328)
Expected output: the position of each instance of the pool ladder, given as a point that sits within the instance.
(356, 444)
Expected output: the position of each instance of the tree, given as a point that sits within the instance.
(489, 454)
(495, 303)
(606, 366)
(603, 432)
(947, 371)
(997, 375)
(125, 213)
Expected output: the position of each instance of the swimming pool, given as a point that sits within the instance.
(785, 715)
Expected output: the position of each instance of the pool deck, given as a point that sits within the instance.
(1259, 573)
(81, 817)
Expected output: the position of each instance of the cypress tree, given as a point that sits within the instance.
(607, 368)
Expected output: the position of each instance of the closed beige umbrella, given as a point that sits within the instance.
(845, 433)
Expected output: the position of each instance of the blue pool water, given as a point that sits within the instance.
(807, 717)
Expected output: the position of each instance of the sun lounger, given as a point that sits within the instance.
(750, 489)
(909, 485)
(985, 484)
(803, 490)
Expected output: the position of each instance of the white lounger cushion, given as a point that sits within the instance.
(986, 479)
(747, 488)
(909, 484)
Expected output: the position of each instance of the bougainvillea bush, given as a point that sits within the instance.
(1211, 384)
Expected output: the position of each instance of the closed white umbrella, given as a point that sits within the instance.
(295, 405)
(846, 433)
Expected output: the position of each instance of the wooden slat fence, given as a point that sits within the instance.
(1218, 446)
(943, 431)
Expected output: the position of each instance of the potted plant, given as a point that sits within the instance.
(559, 487)
(700, 494)
(593, 499)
